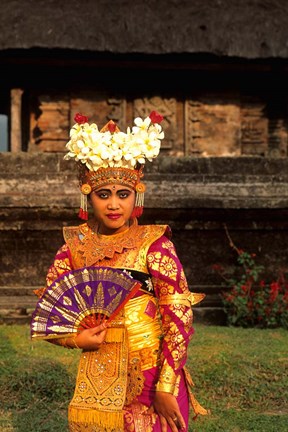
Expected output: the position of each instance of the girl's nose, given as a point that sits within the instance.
(113, 203)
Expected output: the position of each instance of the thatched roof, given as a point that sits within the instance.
(249, 29)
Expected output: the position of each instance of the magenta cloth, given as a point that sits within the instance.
(147, 397)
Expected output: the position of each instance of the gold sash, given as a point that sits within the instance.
(100, 391)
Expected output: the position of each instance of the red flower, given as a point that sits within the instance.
(244, 288)
(80, 119)
(274, 286)
(112, 127)
(155, 117)
(274, 289)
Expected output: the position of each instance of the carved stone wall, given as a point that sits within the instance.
(224, 158)
(207, 125)
(195, 196)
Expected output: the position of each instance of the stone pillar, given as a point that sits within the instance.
(15, 128)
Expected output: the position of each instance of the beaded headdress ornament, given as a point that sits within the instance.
(110, 156)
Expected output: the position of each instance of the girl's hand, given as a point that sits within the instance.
(166, 406)
(91, 339)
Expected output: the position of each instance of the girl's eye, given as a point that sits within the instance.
(124, 194)
(102, 195)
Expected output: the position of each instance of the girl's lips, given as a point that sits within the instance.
(113, 216)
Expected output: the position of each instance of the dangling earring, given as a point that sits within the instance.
(139, 200)
(83, 211)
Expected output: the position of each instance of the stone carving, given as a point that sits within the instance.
(168, 108)
(212, 126)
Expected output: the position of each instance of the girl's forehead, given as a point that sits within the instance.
(113, 187)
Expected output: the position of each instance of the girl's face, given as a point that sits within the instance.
(112, 207)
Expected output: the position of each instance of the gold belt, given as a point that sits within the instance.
(142, 320)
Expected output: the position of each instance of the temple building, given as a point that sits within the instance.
(216, 70)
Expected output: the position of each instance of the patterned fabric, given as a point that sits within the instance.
(100, 391)
(169, 282)
(128, 249)
(159, 324)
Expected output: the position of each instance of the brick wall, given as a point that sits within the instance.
(195, 196)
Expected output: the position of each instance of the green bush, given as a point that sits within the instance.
(249, 299)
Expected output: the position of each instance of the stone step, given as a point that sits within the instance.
(18, 303)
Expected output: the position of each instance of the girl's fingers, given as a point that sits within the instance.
(99, 328)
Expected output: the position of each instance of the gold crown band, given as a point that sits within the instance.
(112, 175)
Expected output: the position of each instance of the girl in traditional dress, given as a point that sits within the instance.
(131, 374)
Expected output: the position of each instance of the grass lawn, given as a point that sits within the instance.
(241, 375)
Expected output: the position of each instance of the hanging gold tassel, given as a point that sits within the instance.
(197, 408)
(83, 211)
(108, 420)
(139, 200)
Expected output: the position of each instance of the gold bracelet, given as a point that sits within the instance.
(62, 342)
(74, 342)
(68, 346)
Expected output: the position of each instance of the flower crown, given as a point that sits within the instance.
(110, 147)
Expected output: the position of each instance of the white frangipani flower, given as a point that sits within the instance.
(113, 148)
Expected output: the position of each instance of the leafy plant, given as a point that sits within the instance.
(250, 300)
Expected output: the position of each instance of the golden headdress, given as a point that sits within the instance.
(110, 156)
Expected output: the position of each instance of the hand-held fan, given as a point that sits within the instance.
(80, 299)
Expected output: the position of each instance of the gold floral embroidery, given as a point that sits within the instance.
(174, 336)
(154, 259)
(59, 267)
(62, 265)
(179, 354)
(170, 246)
(183, 285)
(128, 419)
(168, 267)
(166, 319)
(163, 287)
(137, 418)
(184, 314)
(179, 310)
(188, 319)
(51, 276)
